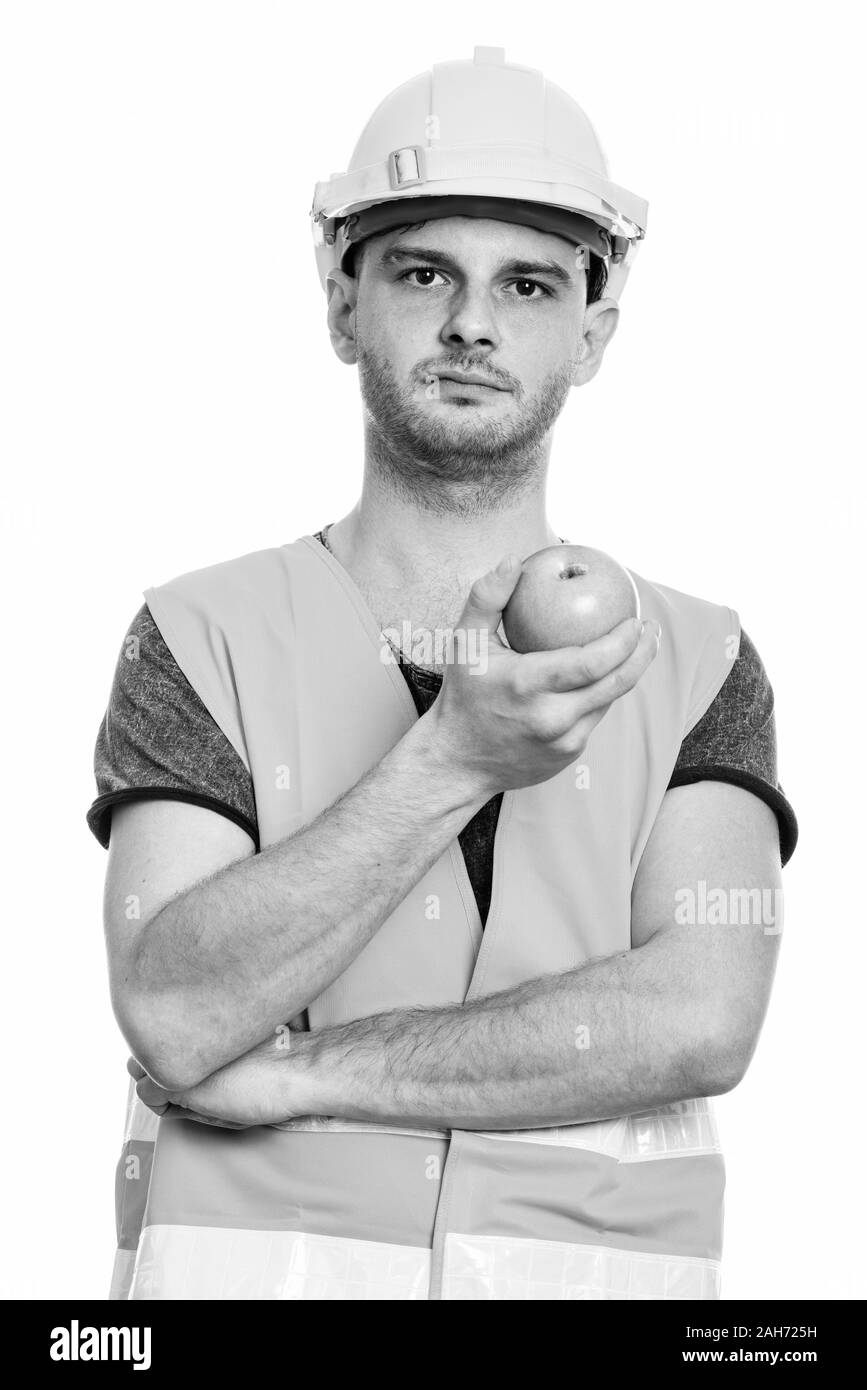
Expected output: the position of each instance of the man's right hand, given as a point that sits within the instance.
(518, 719)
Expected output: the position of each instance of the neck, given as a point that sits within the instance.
(446, 536)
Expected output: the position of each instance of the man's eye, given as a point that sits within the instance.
(425, 276)
(525, 289)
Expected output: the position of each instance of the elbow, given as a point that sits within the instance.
(722, 1074)
(175, 1073)
(720, 1058)
(156, 1036)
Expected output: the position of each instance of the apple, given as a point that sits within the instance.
(568, 595)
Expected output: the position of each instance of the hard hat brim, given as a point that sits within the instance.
(573, 227)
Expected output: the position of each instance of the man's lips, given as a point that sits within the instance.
(469, 379)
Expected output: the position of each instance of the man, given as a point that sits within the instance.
(429, 968)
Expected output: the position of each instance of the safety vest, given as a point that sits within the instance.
(285, 654)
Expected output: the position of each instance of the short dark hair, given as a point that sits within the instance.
(597, 270)
(597, 278)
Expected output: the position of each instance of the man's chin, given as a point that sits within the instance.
(476, 445)
(463, 427)
(465, 418)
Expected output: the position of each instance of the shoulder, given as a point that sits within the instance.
(231, 581)
(736, 741)
(144, 660)
(149, 689)
(744, 708)
(158, 739)
(739, 725)
(690, 617)
(700, 640)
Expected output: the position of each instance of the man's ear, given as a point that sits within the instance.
(600, 322)
(342, 291)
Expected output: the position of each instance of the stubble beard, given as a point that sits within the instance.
(469, 465)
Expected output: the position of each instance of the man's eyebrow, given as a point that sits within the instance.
(530, 268)
(417, 253)
(523, 269)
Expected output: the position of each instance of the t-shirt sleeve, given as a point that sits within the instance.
(736, 741)
(157, 740)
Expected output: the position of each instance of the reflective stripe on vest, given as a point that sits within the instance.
(285, 654)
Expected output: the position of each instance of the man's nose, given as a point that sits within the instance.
(472, 321)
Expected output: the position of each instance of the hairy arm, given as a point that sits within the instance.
(224, 946)
(675, 1017)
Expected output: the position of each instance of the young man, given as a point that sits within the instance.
(428, 968)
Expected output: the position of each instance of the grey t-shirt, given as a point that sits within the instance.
(157, 740)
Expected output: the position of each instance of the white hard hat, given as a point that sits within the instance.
(484, 138)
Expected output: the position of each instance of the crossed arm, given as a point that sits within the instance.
(675, 1017)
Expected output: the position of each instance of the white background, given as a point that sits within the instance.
(171, 400)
